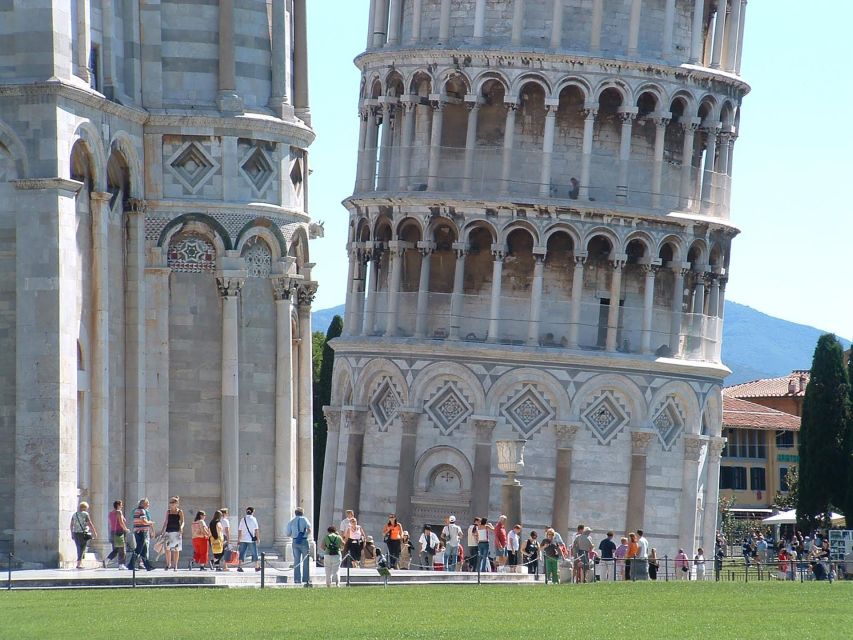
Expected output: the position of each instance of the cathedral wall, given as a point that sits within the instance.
(117, 351)
(252, 52)
(195, 364)
(190, 52)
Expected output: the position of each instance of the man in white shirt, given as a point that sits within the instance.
(451, 533)
(641, 562)
(513, 544)
(428, 547)
(348, 516)
(226, 538)
(248, 537)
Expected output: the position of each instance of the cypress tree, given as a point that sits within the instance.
(322, 397)
(846, 504)
(822, 434)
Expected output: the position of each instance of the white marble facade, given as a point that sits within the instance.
(522, 166)
(155, 278)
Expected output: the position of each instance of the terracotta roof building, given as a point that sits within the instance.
(785, 393)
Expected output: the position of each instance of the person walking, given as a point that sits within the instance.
(143, 527)
(299, 529)
(428, 546)
(682, 566)
(82, 530)
(226, 538)
(118, 530)
(173, 528)
(551, 553)
(451, 534)
(606, 549)
(531, 553)
(483, 534)
(513, 549)
(392, 534)
(581, 549)
(472, 545)
(331, 546)
(699, 563)
(500, 544)
(216, 539)
(201, 541)
(248, 537)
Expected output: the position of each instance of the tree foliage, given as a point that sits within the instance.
(788, 499)
(823, 468)
(324, 361)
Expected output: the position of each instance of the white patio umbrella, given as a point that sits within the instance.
(790, 517)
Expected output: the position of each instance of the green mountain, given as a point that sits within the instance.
(755, 345)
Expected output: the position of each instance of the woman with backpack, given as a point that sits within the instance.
(331, 546)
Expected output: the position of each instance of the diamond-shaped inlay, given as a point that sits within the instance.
(385, 405)
(668, 423)
(448, 408)
(605, 417)
(528, 411)
(192, 166)
(258, 169)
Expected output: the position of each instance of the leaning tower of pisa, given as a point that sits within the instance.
(539, 242)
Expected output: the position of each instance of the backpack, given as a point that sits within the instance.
(333, 547)
(300, 538)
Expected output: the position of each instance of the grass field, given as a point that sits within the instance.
(624, 611)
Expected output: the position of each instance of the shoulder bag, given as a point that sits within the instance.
(84, 529)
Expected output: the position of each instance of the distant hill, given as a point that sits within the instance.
(755, 345)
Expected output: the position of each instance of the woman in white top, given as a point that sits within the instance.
(699, 563)
(483, 536)
(355, 541)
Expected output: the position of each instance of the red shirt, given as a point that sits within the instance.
(500, 535)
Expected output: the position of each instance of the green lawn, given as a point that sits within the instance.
(624, 611)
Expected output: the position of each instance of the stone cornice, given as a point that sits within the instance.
(80, 95)
(627, 364)
(534, 59)
(177, 207)
(61, 184)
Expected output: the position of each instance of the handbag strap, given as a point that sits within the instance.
(80, 524)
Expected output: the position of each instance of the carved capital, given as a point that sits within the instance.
(693, 447)
(484, 427)
(589, 113)
(565, 434)
(650, 270)
(136, 205)
(333, 418)
(715, 449)
(409, 420)
(626, 117)
(305, 293)
(640, 442)
(355, 420)
(282, 288)
(229, 287)
(498, 253)
(690, 127)
(661, 121)
(580, 259)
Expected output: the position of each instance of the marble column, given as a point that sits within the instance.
(564, 436)
(471, 144)
(395, 256)
(300, 61)
(714, 297)
(371, 12)
(352, 268)
(417, 13)
(551, 106)
(636, 511)
(229, 289)
(722, 304)
(356, 316)
(482, 481)
(435, 143)
(719, 34)
(135, 316)
(694, 449)
(536, 298)
(495, 306)
(380, 23)
(712, 491)
(595, 26)
(661, 123)
(285, 436)
(361, 181)
(708, 172)
(280, 52)
(395, 14)
(648, 304)
(227, 100)
(355, 421)
(386, 147)
(627, 119)
(458, 290)
(422, 319)
(634, 27)
(107, 53)
(679, 271)
(330, 468)
(586, 159)
(509, 137)
(406, 473)
(668, 28)
(444, 22)
(372, 276)
(305, 293)
(407, 136)
(741, 23)
(577, 298)
(100, 372)
(479, 21)
(615, 296)
(517, 21)
(557, 25)
(690, 126)
(733, 37)
(698, 306)
(696, 32)
(84, 39)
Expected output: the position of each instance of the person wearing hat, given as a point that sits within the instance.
(428, 546)
(451, 534)
(369, 554)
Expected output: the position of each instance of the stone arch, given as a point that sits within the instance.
(677, 246)
(299, 249)
(641, 236)
(202, 222)
(619, 86)
(436, 371)
(362, 230)
(88, 135)
(194, 247)
(709, 106)
(530, 78)
(342, 390)
(373, 370)
(16, 149)
(656, 91)
(450, 75)
(416, 79)
(372, 86)
(620, 386)
(484, 77)
(574, 81)
(438, 458)
(503, 388)
(408, 221)
(268, 230)
(608, 234)
(514, 226)
(697, 254)
(478, 224)
(687, 99)
(685, 399)
(393, 84)
(123, 143)
(563, 227)
(727, 114)
(712, 411)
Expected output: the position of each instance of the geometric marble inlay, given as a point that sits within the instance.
(258, 169)
(448, 408)
(192, 166)
(192, 254)
(668, 424)
(258, 259)
(528, 411)
(605, 418)
(385, 405)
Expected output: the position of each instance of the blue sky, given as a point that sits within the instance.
(792, 162)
